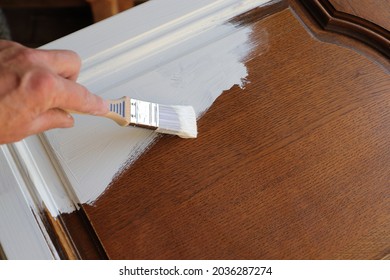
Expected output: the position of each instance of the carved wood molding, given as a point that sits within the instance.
(356, 27)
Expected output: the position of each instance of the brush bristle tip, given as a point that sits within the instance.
(178, 120)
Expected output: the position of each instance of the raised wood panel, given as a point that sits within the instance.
(372, 10)
(295, 166)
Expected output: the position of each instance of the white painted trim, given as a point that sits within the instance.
(48, 183)
(22, 233)
(121, 43)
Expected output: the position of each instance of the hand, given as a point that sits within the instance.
(36, 86)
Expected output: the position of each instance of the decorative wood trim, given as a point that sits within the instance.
(261, 12)
(59, 235)
(83, 236)
(361, 29)
(371, 10)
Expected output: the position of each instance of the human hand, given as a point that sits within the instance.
(36, 86)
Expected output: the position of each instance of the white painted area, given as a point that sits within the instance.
(95, 149)
(46, 182)
(189, 55)
(21, 236)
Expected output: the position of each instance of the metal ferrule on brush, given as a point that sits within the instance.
(168, 119)
(144, 114)
(128, 111)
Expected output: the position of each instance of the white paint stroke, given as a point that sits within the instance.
(96, 149)
(118, 58)
(194, 70)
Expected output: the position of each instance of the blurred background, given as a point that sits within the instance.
(37, 22)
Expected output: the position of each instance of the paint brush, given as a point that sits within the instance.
(168, 119)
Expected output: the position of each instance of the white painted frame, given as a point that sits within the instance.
(35, 174)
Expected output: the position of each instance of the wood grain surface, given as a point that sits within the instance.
(372, 10)
(295, 166)
(83, 237)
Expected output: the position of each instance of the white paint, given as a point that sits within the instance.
(95, 150)
(189, 60)
(177, 120)
(22, 235)
(49, 190)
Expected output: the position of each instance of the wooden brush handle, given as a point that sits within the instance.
(119, 111)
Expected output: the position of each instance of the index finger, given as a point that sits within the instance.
(72, 96)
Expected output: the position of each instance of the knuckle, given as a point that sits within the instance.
(40, 82)
(75, 59)
(82, 94)
(27, 55)
(70, 56)
(74, 55)
(17, 54)
(7, 44)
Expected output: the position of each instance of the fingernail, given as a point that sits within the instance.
(70, 122)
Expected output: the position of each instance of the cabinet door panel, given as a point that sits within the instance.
(292, 157)
(293, 166)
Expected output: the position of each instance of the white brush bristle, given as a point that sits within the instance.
(177, 120)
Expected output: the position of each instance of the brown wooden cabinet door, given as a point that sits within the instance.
(296, 165)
